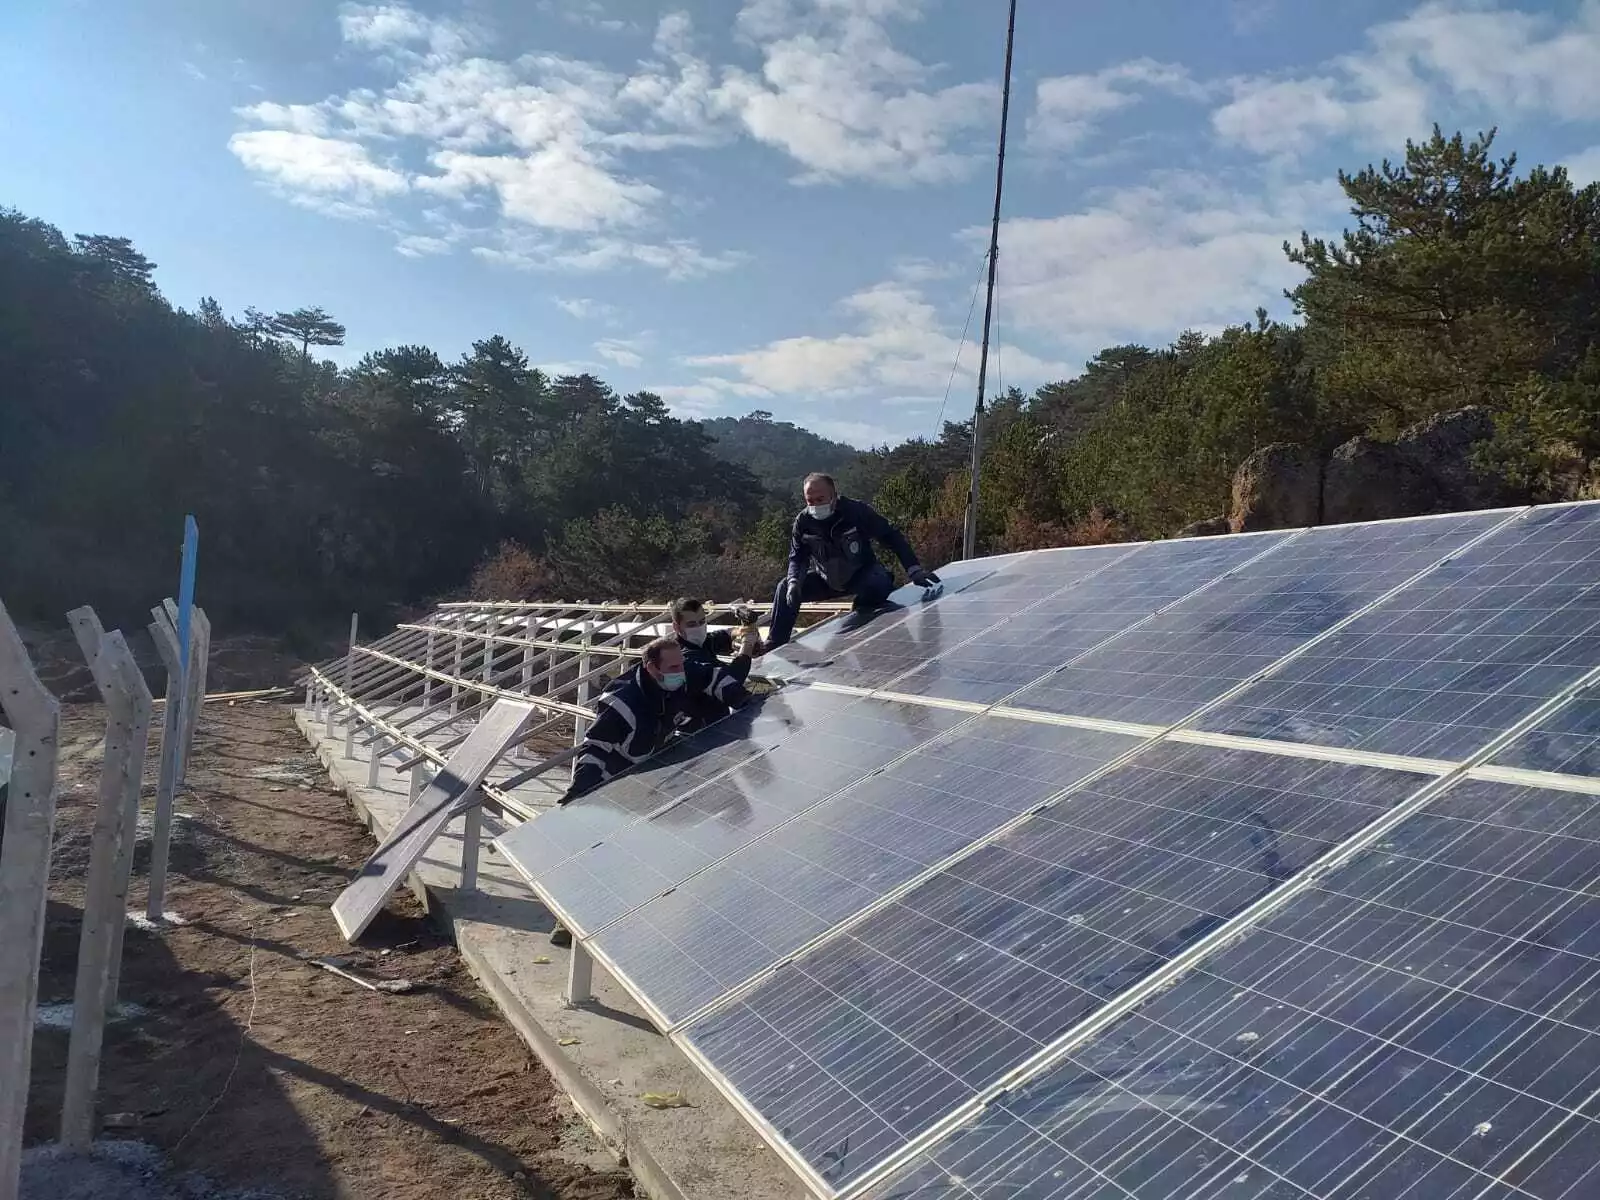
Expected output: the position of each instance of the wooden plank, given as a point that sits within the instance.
(128, 710)
(30, 809)
(449, 793)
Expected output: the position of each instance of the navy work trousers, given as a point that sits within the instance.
(870, 587)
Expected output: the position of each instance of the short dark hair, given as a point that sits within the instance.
(655, 649)
(820, 477)
(684, 605)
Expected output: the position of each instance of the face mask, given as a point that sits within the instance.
(674, 680)
(820, 511)
(695, 635)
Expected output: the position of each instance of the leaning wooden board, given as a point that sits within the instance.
(450, 793)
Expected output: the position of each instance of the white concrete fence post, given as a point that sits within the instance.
(105, 902)
(166, 640)
(33, 715)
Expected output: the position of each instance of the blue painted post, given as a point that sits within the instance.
(191, 550)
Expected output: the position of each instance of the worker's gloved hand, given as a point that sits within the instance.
(568, 796)
(922, 578)
(751, 643)
(792, 592)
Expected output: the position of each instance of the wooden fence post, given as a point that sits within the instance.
(105, 893)
(34, 716)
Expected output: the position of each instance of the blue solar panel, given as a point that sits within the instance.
(1425, 1022)
(716, 930)
(825, 641)
(537, 847)
(1566, 742)
(936, 627)
(866, 1041)
(1031, 643)
(1186, 657)
(1453, 660)
(638, 861)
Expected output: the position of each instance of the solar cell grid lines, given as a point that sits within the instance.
(721, 928)
(1445, 665)
(638, 861)
(1425, 1021)
(1567, 742)
(634, 795)
(933, 629)
(872, 1037)
(1029, 643)
(1169, 666)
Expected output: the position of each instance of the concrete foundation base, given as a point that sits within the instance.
(614, 1055)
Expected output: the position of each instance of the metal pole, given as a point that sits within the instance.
(969, 537)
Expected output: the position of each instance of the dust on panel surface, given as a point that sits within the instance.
(867, 1041)
(1425, 1022)
(1441, 668)
(1181, 659)
(1037, 640)
(719, 928)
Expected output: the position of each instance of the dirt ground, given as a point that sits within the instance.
(241, 1062)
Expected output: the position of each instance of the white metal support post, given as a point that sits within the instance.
(379, 749)
(31, 713)
(472, 843)
(579, 725)
(350, 658)
(427, 680)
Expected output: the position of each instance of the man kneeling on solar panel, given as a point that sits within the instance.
(640, 712)
(831, 556)
(707, 647)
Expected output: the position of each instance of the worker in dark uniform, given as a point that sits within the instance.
(831, 556)
(638, 714)
(706, 648)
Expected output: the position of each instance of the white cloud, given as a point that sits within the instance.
(305, 162)
(559, 186)
(1491, 61)
(421, 246)
(1584, 167)
(900, 345)
(586, 309)
(298, 118)
(837, 97)
(622, 351)
(1144, 263)
(1067, 108)
(398, 28)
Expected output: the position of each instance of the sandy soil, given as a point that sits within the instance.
(240, 1061)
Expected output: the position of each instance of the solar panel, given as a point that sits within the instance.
(660, 780)
(1027, 645)
(718, 929)
(865, 917)
(1442, 667)
(1167, 667)
(1424, 1022)
(825, 641)
(632, 864)
(866, 1041)
(935, 628)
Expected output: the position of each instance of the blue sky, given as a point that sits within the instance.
(743, 204)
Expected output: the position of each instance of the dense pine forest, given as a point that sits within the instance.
(1461, 280)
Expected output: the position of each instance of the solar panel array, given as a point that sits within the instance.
(1258, 866)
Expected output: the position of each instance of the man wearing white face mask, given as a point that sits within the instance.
(831, 556)
(704, 649)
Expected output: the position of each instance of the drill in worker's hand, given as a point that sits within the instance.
(749, 633)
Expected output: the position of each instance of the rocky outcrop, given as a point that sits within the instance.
(1210, 527)
(1430, 468)
(1277, 487)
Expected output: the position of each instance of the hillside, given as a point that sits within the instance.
(778, 453)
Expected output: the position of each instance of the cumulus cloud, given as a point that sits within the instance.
(1487, 59)
(1068, 108)
(586, 309)
(304, 161)
(899, 344)
(622, 351)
